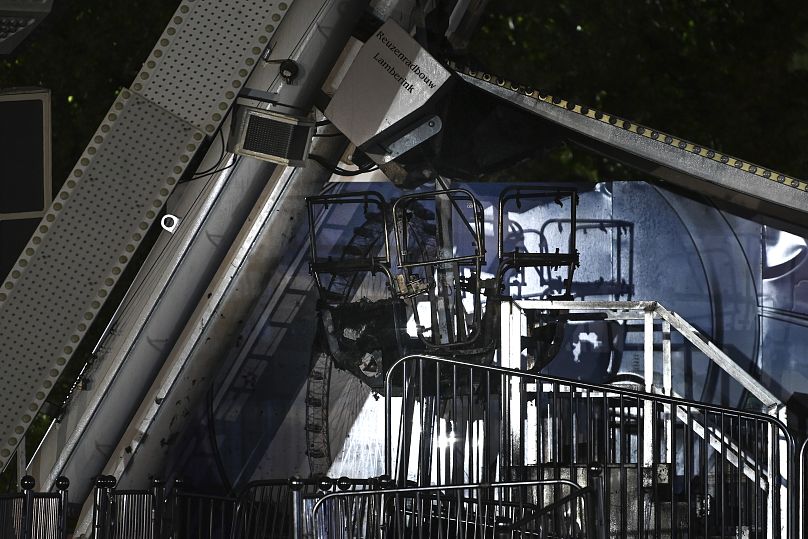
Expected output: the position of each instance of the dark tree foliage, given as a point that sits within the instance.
(725, 74)
(85, 52)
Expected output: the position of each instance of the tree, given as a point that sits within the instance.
(727, 75)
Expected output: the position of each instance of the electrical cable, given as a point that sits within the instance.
(192, 178)
(337, 170)
(218, 161)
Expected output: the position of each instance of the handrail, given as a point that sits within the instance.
(592, 387)
(268, 507)
(443, 488)
(489, 507)
(802, 501)
(694, 336)
(427, 378)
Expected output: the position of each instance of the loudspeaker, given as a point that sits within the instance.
(271, 136)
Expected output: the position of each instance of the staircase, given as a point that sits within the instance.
(475, 451)
(673, 467)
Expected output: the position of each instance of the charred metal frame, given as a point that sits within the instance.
(374, 264)
(406, 263)
(512, 260)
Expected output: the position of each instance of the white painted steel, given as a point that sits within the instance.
(720, 442)
(773, 483)
(648, 375)
(667, 388)
(80, 249)
(312, 34)
(772, 404)
(513, 323)
(802, 463)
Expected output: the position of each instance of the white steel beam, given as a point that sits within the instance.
(139, 153)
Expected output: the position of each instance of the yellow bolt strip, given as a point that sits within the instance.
(653, 134)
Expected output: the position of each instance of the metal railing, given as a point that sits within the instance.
(198, 516)
(271, 508)
(518, 257)
(553, 508)
(34, 515)
(264, 509)
(650, 313)
(436, 268)
(803, 497)
(150, 514)
(126, 514)
(699, 469)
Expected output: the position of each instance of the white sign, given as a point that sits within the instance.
(391, 77)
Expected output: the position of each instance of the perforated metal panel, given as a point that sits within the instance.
(18, 18)
(208, 50)
(143, 147)
(11, 25)
(81, 247)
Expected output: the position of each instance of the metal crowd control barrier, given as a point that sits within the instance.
(34, 515)
(516, 509)
(126, 514)
(198, 516)
(699, 470)
(263, 509)
(149, 514)
(274, 508)
(803, 499)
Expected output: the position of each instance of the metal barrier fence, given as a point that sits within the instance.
(34, 515)
(263, 509)
(505, 510)
(125, 514)
(268, 508)
(672, 467)
(149, 514)
(198, 516)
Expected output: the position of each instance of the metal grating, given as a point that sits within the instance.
(209, 50)
(267, 136)
(142, 148)
(81, 247)
(11, 25)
